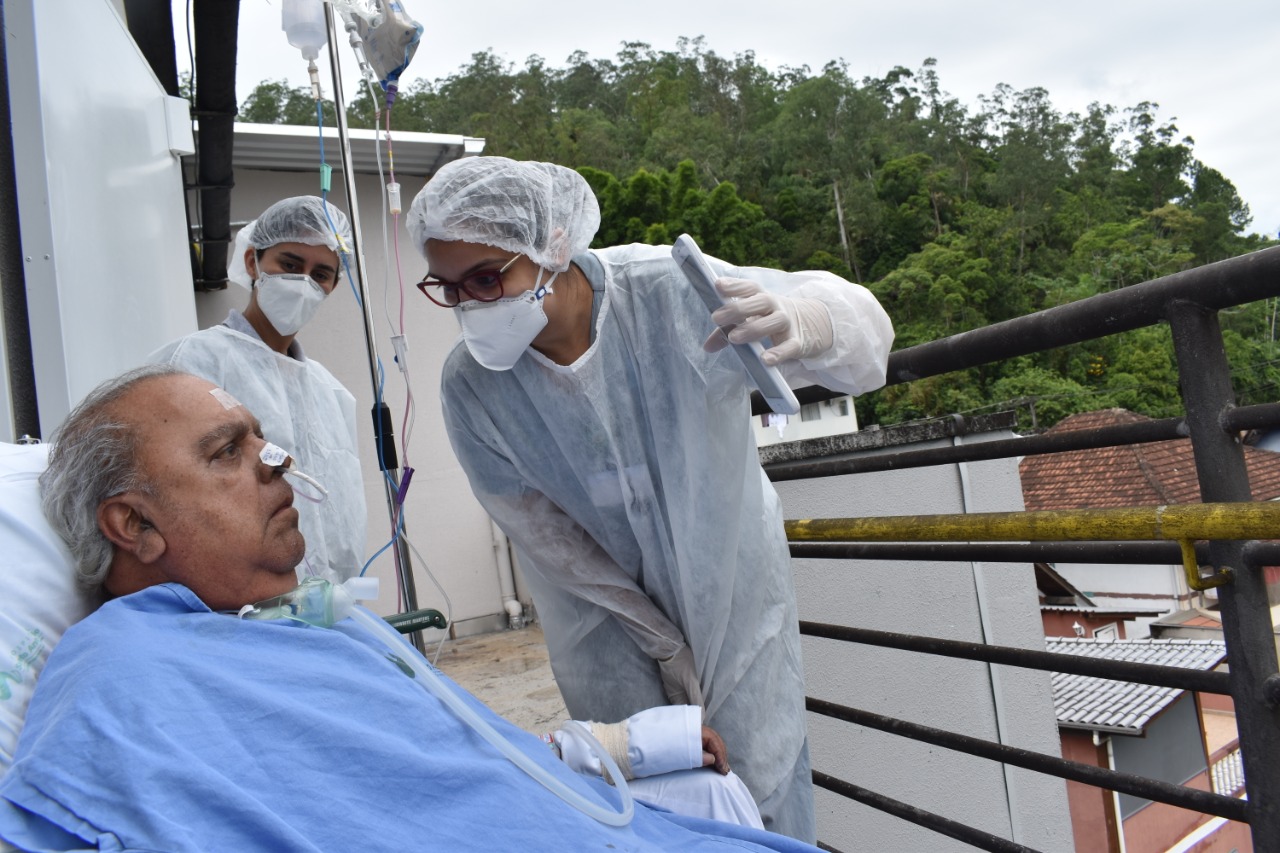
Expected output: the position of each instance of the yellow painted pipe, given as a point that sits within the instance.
(1183, 523)
(1259, 520)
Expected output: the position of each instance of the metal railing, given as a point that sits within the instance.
(1221, 534)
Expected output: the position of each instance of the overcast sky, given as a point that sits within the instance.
(1210, 65)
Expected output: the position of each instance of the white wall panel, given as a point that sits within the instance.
(100, 198)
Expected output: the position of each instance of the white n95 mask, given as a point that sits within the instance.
(288, 300)
(497, 333)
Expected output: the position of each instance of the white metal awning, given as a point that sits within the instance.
(289, 148)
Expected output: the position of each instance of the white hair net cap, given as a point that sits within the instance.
(300, 219)
(541, 210)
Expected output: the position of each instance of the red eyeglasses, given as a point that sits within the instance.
(482, 286)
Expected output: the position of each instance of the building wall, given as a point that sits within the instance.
(99, 199)
(992, 602)
(1171, 749)
(1059, 623)
(1218, 703)
(1140, 587)
(1093, 812)
(829, 417)
(1226, 836)
(1156, 827)
(1159, 827)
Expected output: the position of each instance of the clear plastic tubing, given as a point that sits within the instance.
(434, 686)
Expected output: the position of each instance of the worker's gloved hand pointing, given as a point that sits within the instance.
(798, 327)
(680, 678)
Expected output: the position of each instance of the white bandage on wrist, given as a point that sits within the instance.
(615, 739)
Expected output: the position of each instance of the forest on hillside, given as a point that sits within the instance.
(955, 215)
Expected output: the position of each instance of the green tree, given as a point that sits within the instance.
(274, 102)
(1158, 163)
(1040, 396)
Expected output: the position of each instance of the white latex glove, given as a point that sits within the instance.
(680, 678)
(799, 328)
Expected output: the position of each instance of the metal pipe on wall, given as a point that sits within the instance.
(506, 577)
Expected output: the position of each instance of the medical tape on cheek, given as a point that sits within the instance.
(227, 401)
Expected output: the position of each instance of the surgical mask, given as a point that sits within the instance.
(288, 300)
(497, 333)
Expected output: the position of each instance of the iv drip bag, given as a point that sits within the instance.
(391, 42)
(304, 26)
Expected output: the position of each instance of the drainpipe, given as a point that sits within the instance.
(506, 578)
(1115, 797)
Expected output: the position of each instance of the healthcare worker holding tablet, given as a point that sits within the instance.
(616, 452)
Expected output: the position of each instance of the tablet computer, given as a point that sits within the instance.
(767, 379)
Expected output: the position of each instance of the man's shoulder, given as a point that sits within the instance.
(118, 641)
(125, 614)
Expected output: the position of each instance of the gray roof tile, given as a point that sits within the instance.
(1099, 703)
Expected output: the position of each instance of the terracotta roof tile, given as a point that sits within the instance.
(1151, 474)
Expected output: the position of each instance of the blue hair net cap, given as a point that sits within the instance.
(541, 210)
(300, 219)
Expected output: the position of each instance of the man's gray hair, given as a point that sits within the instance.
(94, 457)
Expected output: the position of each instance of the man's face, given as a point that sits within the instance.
(229, 529)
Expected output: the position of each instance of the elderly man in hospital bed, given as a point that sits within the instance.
(167, 720)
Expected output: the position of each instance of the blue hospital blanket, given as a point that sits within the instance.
(159, 725)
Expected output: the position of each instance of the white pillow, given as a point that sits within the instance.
(38, 595)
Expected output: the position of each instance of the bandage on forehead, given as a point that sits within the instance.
(224, 397)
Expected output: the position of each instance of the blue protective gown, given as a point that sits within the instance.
(630, 484)
(159, 725)
(304, 410)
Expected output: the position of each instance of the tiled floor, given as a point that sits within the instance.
(508, 671)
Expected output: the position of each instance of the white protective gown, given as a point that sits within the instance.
(304, 410)
(630, 483)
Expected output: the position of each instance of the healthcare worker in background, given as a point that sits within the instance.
(617, 453)
(288, 259)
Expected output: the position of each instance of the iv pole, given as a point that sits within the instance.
(391, 482)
